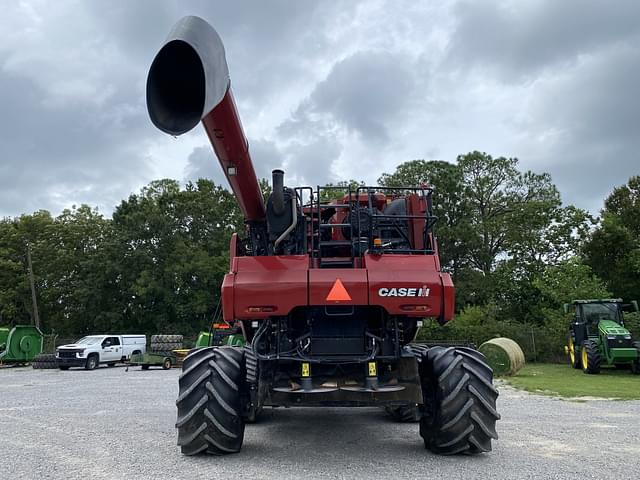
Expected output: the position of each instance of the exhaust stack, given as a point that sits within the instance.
(189, 82)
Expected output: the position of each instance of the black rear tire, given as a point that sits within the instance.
(590, 357)
(575, 359)
(459, 413)
(210, 401)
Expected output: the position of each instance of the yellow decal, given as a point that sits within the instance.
(306, 370)
(373, 372)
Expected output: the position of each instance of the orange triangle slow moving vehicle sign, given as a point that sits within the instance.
(338, 293)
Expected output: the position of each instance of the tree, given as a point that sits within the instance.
(613, 251)
(174, 253)
(507, 207)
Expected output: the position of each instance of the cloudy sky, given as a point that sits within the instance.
(328, 90)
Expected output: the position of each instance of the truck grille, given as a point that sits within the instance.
(67, 353)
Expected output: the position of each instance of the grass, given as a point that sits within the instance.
(564, 381)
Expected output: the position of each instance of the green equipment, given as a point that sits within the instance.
(20, 344)
(220, 334)
(597, 336)
(146, 360)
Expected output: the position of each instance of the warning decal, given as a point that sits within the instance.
(338, 293)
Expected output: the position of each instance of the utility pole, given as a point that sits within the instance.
(36, 316)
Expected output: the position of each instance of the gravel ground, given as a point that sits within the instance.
(110, 423)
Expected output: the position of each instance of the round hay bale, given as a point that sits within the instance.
(503, 355)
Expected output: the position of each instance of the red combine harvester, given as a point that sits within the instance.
(329, 294)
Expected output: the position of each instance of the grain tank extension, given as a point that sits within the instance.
(328, 287)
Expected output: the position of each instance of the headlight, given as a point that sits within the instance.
(627, 337)
(81, 353)
(57, 354)
(611, 337)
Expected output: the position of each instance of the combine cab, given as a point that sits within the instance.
(597, 336)
(327, 287)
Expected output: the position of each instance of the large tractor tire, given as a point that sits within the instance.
(574, 357)
(165, 347)
(590, 357)
(210, 401)
(459, 413)
(45, 361)
(166, 339)
(253, 407)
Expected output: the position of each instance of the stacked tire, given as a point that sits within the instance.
(45, 361)
(164, 344)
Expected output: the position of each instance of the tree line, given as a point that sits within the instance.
(515, 251)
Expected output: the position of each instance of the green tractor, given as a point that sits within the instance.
(597, 336)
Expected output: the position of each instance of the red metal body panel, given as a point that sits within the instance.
(449, 297)
(413, 273)
(398, 283)
(225, 132)
(279, 282)
(228, 313)
(321, 281)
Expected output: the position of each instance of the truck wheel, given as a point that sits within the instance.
(459, 413)
(92, 363)
(590, 357)
(209, 401)
(253, 408)
(574, 357)
(166, 364)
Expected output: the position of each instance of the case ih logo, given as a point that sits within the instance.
(404, 292)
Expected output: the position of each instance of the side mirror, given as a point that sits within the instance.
(565, 307)
(106, 344)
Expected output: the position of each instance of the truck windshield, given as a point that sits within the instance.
(89, 340)
(594, 312)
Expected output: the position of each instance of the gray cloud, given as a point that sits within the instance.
(520, 39)
(329, 90)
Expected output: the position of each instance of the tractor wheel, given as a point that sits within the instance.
(590, 357)
(635, 366)
(574, 357)
(253, 406)
(459, 413)
(166, 365)
(404, 413)
(165, 347)
(209, 401)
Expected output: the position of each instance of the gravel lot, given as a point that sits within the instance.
(110, 423)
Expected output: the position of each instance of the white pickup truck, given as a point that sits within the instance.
(91, 351)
